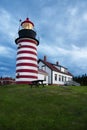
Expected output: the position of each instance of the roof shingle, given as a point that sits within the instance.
(54, 68)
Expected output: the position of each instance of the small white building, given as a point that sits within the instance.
(53, 73)
(43, 75)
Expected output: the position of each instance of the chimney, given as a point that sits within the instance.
(45, 58)
(57, 63)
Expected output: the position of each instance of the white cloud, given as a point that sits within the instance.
(75, 56)
(65, 35)
(79, 53)
(8, 28)
(7, 52)
(4, 68)
(60, 30)
(72, 11)
(8, 25)
(85, 16)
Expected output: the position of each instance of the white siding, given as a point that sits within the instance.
(63, 78)
(43, 77)
(51, 75)
(48, 70)
(62, 69)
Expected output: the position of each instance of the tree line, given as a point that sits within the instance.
(81, 79)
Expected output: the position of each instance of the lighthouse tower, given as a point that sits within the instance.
(26, 62)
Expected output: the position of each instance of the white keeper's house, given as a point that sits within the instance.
(53, 73)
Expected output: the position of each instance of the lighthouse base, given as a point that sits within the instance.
(23, 82)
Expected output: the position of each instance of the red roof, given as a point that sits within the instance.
(42, 72)
(54, 68)
(27, 21)
(6, 78)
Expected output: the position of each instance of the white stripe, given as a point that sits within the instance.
(27, 49)
(26, 67)
(27, 74)
(29, 44)
(26, 61)
(25, 79)
(27, 55)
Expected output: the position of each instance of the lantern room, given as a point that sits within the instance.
(27, 24)
(27, 31)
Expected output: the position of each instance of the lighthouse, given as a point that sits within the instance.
(26, 62)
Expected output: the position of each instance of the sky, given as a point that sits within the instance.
(61, 27)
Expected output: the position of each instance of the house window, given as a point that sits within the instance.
(43, 67)
(59, 77)
(62, 78)
(44, 77)
(55, 77)
(65, 78)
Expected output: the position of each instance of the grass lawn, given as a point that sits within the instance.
(48, 108)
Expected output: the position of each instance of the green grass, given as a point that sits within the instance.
(48, 108)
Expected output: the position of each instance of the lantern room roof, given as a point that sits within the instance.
(27, 21)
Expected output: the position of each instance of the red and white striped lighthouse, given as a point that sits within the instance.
(26, 62)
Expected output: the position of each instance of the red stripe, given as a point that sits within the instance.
(27, 76)
(26, 58)
(30, 52)
(26, 46)
(26, 64)
(26, 70)
(23, 82)
(26, 40)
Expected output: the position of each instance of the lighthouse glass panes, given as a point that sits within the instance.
(27, 26)
(26, 62)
